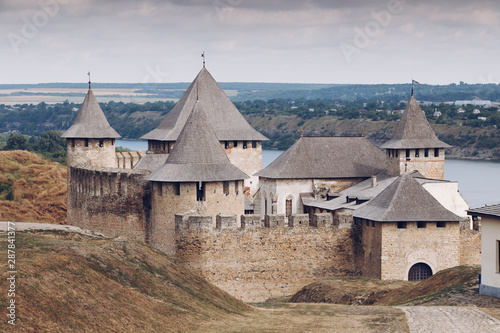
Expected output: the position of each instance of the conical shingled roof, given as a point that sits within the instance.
(405, 200)
(226, 120)
(327, 157)
(90, 121)
(414, 131)
(197, 155)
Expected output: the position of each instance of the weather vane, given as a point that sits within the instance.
(203, 56)
(89, 80)
(413, 85)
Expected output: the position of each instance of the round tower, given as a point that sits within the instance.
(91, 140)
(196, 178)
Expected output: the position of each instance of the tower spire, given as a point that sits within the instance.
(90, 83)
(203, 56)
(413, 85)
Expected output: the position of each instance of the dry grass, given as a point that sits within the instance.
(68, 282)
(313, 318)
(39, 188)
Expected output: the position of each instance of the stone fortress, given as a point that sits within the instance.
(327, 207)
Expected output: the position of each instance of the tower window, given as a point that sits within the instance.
(86, 142)
(236, 187)
(72, 142)
(177, 188)
(417, 152)
(397, 152)
(226, 144)
(101, 142)
(426, 152)
(254, 144)
(441, 224)
(244, 145)
(401, 225)
(421, 225)
(225, 188)
(235, 144)
(200, 191)
(436, 152)
(407, 153)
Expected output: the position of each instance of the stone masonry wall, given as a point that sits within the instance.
(248, 160)
(439, 248)
(112, 201)
(430, 166)
(166, 203)
(90, 152)
(256, 262)
(470, 240)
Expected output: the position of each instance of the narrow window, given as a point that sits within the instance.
(244, 145)
(254, 144)
(226, 144)
(373, 224)
(436, 152)
(407, 153)
(236, 187)
(441, 224)
(86, 142)
(164, 146)
(112, 142)
(367, 223)
(417, 152)
(200, 191)
(72, 142)
(421, 225)
(225, 189)
(160, 189)
(426, 152)
(177, 188)
(101, 142)
(401, 225)
(389, 152)
(235, 144)
(397, 153)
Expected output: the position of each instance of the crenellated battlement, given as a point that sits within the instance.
(128, 160)
(191, 221)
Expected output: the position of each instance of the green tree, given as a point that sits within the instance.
(51, 141)
(17, 141)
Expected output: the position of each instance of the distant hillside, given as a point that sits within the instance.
(32, 189)
(74, 283)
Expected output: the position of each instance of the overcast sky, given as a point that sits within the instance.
(310, 41)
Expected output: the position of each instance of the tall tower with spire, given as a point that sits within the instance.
(241, 143)
(197, 177)
(415, 146)
(91, 140)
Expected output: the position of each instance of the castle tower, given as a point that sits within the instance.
(91, 140)
(414, 145)
(197, 177)
(242, 143)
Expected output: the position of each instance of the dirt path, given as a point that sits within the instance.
(19, 226)
(449, 319)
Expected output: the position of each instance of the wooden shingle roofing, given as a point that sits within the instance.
(197, 155)
(327, 157)
(226, 120)
(90, 122)
(414, 131)
(492, 211)
(405, 200)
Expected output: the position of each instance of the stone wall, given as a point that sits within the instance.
(371, 240)
(92, 152)
(246, 158)
(128, 160)
(115, 202)
(256, 262)
(470, 240)
(440, 248)
(169, 200)
(430, 167)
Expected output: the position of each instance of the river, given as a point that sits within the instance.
(478, 181)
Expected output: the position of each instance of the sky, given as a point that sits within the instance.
(293, 41)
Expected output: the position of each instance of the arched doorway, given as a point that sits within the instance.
(419, 272)
(288, 207)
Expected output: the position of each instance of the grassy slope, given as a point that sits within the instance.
(39, 188)
(70, 282)
(454, 286)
